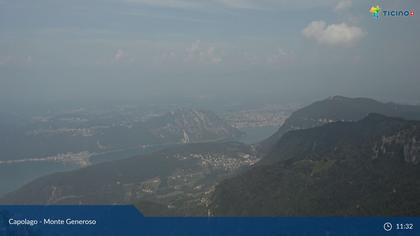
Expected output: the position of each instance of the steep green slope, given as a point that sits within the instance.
(368, 167)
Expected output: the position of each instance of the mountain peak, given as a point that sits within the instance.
(338, 98)
(340, 108)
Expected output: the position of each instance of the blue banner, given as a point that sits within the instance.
(126, 220)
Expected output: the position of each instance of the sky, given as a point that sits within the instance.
(233, 50)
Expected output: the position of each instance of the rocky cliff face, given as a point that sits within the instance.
(189, 126)
(405, 142)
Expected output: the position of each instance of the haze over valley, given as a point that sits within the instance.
(211, 107)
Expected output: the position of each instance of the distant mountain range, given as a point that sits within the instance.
(78, 134)
(369, 167)
(339, 156)
(338, 108)
(65, 141)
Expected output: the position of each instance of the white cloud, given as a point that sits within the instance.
(343, 5)
(119, 55)
(334, 34)
(203, 54)
(281, 56)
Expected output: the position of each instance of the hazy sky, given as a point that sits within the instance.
(53, 50)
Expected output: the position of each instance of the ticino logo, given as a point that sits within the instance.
(376, 11)
(398, 13)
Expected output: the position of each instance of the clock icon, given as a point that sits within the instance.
(387, 226)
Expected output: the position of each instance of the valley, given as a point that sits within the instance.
(338, 156)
